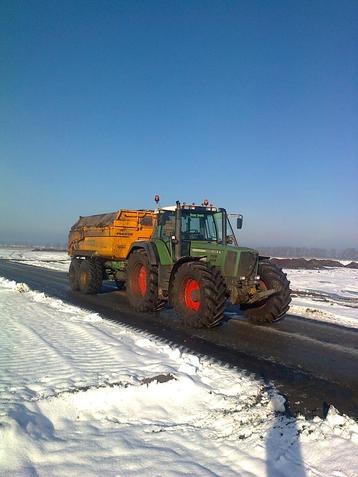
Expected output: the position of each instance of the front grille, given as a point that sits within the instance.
(247, 264)
(230, 264)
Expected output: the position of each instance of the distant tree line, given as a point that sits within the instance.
(305, 252)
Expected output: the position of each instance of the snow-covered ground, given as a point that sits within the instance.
(82, 396)
(48, 259)
(328, 295)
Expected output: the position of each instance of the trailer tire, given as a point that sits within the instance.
(74, 274)
(275, 306)
(142, 282)
(198, 295)
(90, 276)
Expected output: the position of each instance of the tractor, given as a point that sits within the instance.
(185, 256)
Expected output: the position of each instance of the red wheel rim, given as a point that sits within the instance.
(191, 294)
(142, 280)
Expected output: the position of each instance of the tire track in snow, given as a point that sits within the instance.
(70, 352)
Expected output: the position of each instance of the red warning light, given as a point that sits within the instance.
(206, 202)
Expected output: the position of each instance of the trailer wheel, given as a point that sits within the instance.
(142, 282)
(90, 276)
(74, 274)
(275, 306)
(198, 295)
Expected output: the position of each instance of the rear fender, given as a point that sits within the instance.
(149, 248)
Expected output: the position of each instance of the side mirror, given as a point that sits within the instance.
(239, 222)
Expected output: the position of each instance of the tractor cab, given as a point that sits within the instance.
(182, 227)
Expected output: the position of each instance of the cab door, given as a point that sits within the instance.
(166, 230)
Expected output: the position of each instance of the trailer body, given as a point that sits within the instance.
(111, 235)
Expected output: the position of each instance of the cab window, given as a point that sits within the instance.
(198, 226)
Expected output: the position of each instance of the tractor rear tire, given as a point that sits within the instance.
(74, 274)
(198, 295)
(90, 276)
(275, 306)
(142, 283)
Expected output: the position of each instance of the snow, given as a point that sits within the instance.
(84, 396)
(329, 295)
(332, 282)
(47, 259)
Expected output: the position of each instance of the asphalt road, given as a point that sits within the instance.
(312, 363)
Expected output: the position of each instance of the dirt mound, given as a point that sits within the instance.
(352, 265)
(290, 262)
(295, 263)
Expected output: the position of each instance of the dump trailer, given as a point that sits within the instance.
(105, 240)
(186, 256)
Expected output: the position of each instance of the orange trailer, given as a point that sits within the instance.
(110, 235)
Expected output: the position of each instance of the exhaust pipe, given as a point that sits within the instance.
(177, 248)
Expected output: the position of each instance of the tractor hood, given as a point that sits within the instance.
(236, 262)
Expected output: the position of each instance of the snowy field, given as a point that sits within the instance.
(48, 259)
(82, 396)
(329, 295)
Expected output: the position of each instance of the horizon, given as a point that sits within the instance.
(252, 105)
(286, 251)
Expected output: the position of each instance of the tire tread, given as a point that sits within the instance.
(276, 305)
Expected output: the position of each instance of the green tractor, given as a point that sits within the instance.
(193, 261)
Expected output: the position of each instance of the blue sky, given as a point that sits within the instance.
(252, 104)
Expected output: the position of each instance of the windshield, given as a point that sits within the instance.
(198, 226)
(194, 226)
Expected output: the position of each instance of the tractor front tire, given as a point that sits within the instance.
(142, 283)
(275, 306)
(74, 274)
(90, 276)
(198, 295)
